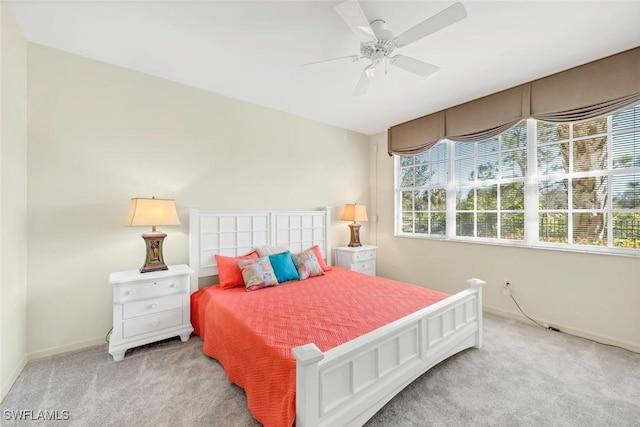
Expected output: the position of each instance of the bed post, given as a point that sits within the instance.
(327, 235)
(194, 246)
(477, 284)
(307, 387)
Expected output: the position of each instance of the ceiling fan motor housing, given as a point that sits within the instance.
(380, 48)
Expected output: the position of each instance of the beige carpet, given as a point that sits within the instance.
(523, 376)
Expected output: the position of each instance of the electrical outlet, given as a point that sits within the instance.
(506, 289)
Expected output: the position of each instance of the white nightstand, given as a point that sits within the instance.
(149, 307)
(361, 258)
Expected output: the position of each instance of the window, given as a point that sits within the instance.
(489, 181)
(423, 192)
(545, 184)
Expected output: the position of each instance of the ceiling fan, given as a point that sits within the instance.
(377, 43)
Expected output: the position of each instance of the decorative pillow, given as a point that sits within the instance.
(270, 250)
(257, 273)
(283, 267)
(318, 253)
(307, 264)
(229, 274)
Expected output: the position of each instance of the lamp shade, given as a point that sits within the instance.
(151, 212)
(354, 212)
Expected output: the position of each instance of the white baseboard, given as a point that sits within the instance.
(4, 390)
(65, 348)
(563, 328)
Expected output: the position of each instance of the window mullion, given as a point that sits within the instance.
(451, 191)
(413, 199)
(531, 203)
(609, 206)
(398, 212)
(570, 179)
(498, 185)
(475, 189)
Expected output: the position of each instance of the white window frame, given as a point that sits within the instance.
(531, 201)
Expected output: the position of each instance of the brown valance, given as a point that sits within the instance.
(410, 137)
(585, 92)
(591, 90)
(492, 115)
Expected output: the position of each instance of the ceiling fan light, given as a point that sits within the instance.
(371, 71)
(382, 33)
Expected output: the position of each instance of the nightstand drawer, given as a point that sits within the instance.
(150, 289)
(363, 266)
(154, 322)
(364, 255)
(150, 306)
(361, 259)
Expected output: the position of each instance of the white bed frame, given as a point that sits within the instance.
(348, 384)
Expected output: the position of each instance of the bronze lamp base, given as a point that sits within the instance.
(355, 235)
(154, 261)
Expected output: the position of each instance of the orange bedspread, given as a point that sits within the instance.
(252, 333)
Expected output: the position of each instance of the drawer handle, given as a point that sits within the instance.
(173, 285)
(154, 305)
(154, 323)
(131, 292)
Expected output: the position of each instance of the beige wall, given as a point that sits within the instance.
(100, 134)
(13, 201)
(596, 296)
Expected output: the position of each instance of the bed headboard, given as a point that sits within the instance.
(234, 233)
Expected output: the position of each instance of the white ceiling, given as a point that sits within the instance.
(253, 50)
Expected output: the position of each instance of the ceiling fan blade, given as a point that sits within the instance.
(363, 83)
(437, 22)
(354, 58)
(352, 14)
(413, 65)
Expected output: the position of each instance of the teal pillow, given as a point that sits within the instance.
(283, 267)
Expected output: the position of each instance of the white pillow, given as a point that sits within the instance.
(270, 250)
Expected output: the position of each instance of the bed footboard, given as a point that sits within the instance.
(348, 384)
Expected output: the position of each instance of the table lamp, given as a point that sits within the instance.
(153, 212)
(355, 213)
